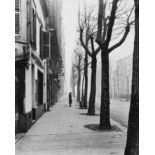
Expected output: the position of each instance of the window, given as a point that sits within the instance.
(17, 17)
(41, 43)
(44, 44)
(46, 41)
(33, 29)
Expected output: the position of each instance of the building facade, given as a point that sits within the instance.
(121, 78)
(57, 53)
(33, 52)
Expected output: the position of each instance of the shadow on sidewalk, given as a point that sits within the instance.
(85, 114)
(95, 127)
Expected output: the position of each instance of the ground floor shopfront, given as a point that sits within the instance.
(36, 90)
(29, 92)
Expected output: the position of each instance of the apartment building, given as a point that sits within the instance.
(31, 50)
(121, 79)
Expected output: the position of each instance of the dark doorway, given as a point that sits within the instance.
(40, 88)
(19, 92)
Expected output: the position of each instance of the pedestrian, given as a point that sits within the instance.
(70, 99)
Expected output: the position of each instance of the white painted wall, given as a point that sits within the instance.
(28, 90)
(28, 101)
(23, 22)
(39, 12)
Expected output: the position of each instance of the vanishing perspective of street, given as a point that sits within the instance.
(76, 77)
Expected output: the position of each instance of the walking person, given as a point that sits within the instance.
(70, 99)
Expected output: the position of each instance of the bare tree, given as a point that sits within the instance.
(132, 145)
(73, 79)
(78, 65)
(87, 26)
(107, 24)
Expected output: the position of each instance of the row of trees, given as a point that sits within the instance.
(104, 33)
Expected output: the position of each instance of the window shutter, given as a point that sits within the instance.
(17, 5)
(31, 24)
(17, 16)
(46, 45)
(41, 43)
(34, 30)
(29, 21)
(17, 29)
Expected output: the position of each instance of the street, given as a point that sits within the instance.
(63, 131)
(119, 110)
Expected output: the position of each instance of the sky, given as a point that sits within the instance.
(70, 19)
(69, 15)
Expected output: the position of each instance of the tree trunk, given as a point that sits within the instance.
(73, 83)
(132, 145)
(86, 81)
(73, 89)
(127, 87)
(78, 85)
(82, 95)
(105, 100)
(91, 109)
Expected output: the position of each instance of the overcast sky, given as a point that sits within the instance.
(69, 14)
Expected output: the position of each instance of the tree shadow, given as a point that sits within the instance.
(85, 114)
(95, 127)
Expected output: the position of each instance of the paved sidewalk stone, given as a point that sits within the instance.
(62, 131)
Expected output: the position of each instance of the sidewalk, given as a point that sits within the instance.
(62, 131)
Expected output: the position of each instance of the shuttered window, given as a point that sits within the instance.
(17, 16)
(46, 41)
(41, 43)
(44, 44)
(29, 21)
(33, 28)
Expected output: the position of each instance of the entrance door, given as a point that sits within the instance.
(40, 88)
(19, 93)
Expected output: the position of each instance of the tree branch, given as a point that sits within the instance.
(111, 22)
(83, 67)
(122, 40)
(104, 23)
(76, 53)
(92, 44)
(82, 42)
(97, 50)
(100, 17)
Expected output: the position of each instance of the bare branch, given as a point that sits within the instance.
(130, 15)
(100, 17)
(105, 24)
(97, 50)
(87, 65)
(92, 44)
(76, 53)
(111, 22)
(121, 41)
(79, 54)
(82, 42)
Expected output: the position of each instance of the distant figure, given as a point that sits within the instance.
(70, 99)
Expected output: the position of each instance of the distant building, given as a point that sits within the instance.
(120, 79)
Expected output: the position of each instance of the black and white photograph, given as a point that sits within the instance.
(76, 77)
